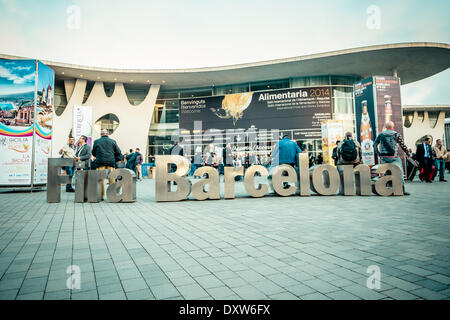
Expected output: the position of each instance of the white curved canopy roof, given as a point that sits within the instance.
(412, 61)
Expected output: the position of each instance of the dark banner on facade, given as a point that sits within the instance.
(302, 109)
(377, 101)
(365, 118)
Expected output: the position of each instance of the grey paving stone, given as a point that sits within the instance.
(314, 296)
(10, 284)
(33, 285)
(399, 283)
(85, 295)
(300, 289)
(110, 288)
(364, 292)
(283, 296)
(342, 295)
(320, 286)
(201, 245)
(220, 293)
(432, 285)
(57, 295)
(120, 295)
(134, 284)
(249, 292)
(209, 281)
(440, 278)
(31, 296)
(398, 294)
(144, 294)
(428, 294)
(164, 291)
(192, 292)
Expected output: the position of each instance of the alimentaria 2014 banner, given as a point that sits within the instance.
(303, 109)
(26, 117)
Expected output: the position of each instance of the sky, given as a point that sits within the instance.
(17, 76)
(147, 34)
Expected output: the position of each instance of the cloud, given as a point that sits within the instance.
(16, 79)
(22, 68)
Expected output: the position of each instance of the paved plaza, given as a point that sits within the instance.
(268, 248)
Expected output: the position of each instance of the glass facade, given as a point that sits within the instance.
(163, 130)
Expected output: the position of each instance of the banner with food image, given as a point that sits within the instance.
(301, 108)
(332, 131)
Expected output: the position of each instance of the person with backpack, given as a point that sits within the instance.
(349, 151)
(388, 142)
(131, 160)
(334, 153)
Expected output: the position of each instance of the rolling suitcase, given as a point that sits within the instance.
(411, 168)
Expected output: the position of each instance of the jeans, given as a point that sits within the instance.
(396, 161)
(69, 171)
(193, 168)
(110, 181)
(440, 167)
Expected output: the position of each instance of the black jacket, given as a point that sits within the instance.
(84, 152)
(227, 156)
(420, 153)
(106, 152)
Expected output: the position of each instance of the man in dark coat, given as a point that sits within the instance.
(227, 156)
(83, 152)
(424, 157)
(106, 152)
(131, 160)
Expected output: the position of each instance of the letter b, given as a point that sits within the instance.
(163, 178)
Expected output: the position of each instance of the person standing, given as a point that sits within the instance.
(389, 141)
(105, 151)
(139, 160)
(319, 158)
(227, 156)
(83, 152)
(285, 152)
(197, 162)
(131, 160)
(441, 155)
(68, 151)
(424, 157)
(334, 153)
(349, 151)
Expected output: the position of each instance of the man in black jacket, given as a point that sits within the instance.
(227, 156)
(83, 152)
(424, 157)
(106, 152)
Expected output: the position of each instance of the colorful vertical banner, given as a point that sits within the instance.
(17, 86)
(388, 103)
(332, 131)
(377, 100)
(82, 123)
(44, 121)
(365, 119)
(21, 83)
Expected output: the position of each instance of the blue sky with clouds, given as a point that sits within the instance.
(199, 33)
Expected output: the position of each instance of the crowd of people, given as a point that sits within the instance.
(106, 155)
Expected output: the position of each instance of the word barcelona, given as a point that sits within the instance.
(323, 179)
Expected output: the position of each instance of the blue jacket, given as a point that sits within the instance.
(285, 152)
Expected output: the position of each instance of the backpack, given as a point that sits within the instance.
(348, 150)
(389, 142)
